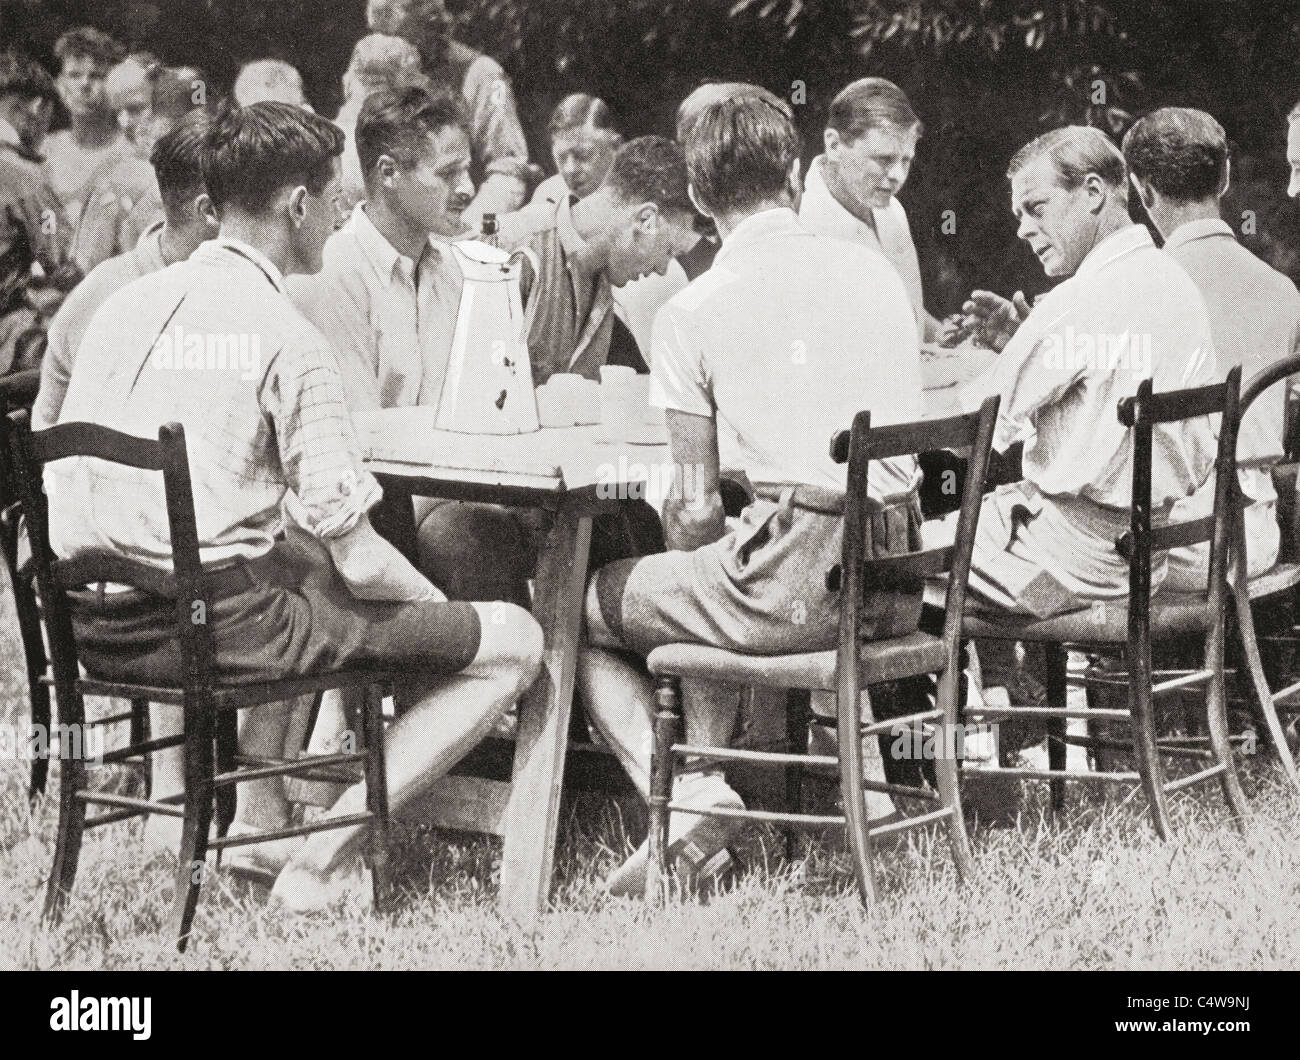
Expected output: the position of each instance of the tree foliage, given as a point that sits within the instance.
(984, 75)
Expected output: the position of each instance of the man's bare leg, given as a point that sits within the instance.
(447, 718)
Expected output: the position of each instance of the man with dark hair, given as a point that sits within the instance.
(85, 57)
(189, 221)
(631, 226)
(851, 191)
(123, 200)
(1127, 312)
(388, 292)
(498, 149)
(826, 328)
(33, 227)
(1178, 163)
(269, 431)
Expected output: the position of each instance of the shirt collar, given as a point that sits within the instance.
(385, 258)
(1114, 247)
(148, 248)
(238, 250)
(574, 246)
(832, 213)
(765, 224)
(1205, 227)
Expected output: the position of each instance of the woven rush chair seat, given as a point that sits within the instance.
(850, 669)
(1129, 627)
(213, 764)
(886, 660)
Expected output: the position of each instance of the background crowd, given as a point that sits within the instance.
(983, 77)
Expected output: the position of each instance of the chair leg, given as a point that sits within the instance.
(1145, 752)
(797, 711)
(140, 733)
(1216, 709)
(945, 774)
(227, 732)
(1261, 696)
(192, 857)
(852, 793)
(1057, 696)
(42, 716)
(72, 820)
(667, 727)
(377, 794)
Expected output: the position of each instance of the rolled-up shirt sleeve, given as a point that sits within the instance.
(319, 452)
(679, 379)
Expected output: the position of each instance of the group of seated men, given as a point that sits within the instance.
(803, 306)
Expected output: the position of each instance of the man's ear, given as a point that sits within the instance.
(1097, 191)
(793, 181)
(830, 140)
(1227, 177)
(647, 218)
(1145, 195)
(205, 211)
(298, 205)
(386, 168)
(695, 201)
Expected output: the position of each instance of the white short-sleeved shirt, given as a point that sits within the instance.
(784, 340)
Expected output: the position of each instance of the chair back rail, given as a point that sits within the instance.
(29, 452)
(907, 571)
(1141, 413)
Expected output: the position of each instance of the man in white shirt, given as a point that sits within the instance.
(827, 328)
(851, 191)
(1046, 546)
(1178, 163)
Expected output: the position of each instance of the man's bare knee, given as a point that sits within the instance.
(509, 639)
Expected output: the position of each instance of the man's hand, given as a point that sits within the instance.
(991, 320)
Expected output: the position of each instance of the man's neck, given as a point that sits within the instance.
(93, 133)
(177, 243)
(1171, 216)
(838, 188)
(728, 223)
(268, 239)
(401, 236)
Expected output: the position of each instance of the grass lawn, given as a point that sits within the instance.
(1095, 890)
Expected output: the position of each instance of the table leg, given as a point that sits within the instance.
(533, 813)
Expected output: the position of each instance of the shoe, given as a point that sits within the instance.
(260, 863)
(694, 841)
(300, 891)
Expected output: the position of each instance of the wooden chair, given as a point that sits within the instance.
(1132, 626)
(852, 665)
(213, 765)
(1279, 582)
(18, 391)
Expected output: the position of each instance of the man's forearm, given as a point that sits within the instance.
(373, 569)
(693, 523)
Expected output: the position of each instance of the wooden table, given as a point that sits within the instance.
(574, 475)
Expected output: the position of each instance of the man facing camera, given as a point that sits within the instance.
(264, 436)
(851, 191)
